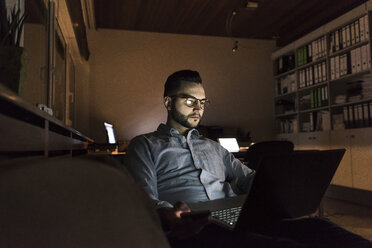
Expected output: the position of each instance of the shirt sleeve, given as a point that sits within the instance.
(139, 162)
(238, 172)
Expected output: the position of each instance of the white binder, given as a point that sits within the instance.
(358, 59)
(352, 33)
(337, 67)
(343, 37)
(348, 39)
(357, 34)
(361, 29)
(353, 61)
(332, 61)
(364, 58)
(366, 27)
(337, 40)
(324, 73)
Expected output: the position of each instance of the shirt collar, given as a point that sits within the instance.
(166, 130)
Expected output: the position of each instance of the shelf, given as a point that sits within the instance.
(348, 76)
(286, 94)
(285, 73)
(39, 133)
(313, 86)
(310, 132)
(313, 109)
(351, 103)
(286, 115)
(339, 52)
(319, 60)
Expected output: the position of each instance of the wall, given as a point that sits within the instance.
(82, 93)
(128, 71)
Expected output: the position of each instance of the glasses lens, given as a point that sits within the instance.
(204, 103)
(190, 102)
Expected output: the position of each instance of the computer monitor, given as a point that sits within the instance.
(230, 144)
(110, 133)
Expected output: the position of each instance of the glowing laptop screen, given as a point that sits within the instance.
(230, 144)
(110, 133)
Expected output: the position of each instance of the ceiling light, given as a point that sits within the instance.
(251, 5)
(236, 46)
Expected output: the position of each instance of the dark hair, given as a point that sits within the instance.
(174, 81)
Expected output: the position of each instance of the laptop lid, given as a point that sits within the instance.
(288, 186)
(230, 144)
(110, 133)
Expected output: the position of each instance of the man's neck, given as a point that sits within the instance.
(181, 129)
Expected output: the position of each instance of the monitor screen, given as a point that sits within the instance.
(110, 133)
(230, 144)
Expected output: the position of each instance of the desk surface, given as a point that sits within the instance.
(106, 153)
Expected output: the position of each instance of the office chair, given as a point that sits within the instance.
(257, 151)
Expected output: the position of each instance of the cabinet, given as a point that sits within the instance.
(308, 141)
(361, 158)
(344, 174)
(323, 94)
(355, 169)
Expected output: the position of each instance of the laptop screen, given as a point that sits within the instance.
(230, 144)
(110, 133)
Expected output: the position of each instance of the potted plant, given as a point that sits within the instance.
(12, 57)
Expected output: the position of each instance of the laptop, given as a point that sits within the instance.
(111, 147)
(231, 144)
(285, 186)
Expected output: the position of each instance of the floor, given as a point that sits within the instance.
(352, 217)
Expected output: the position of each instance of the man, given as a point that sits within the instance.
(177, 166)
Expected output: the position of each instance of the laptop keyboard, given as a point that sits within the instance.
(229, 216)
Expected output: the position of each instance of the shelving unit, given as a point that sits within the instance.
(317, 79)
(327, 102)
(30, 133)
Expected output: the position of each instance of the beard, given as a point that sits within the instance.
(183, 119)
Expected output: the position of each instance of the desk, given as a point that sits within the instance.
(114, 153)
(240, 155)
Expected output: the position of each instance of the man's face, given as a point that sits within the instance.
(188, 117)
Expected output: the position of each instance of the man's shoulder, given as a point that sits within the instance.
(212, 143)
(144, 137)
(152, 137)
(207, 140)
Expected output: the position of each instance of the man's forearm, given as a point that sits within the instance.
(161, 204)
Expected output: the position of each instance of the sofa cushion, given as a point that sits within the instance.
(74, 202)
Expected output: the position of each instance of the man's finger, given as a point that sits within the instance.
(181, 206)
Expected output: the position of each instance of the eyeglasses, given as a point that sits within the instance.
(191, 101)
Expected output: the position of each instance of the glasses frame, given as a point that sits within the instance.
(202, 102)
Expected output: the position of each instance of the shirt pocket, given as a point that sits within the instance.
(213, 164)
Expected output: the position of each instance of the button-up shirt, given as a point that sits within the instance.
(173, 167)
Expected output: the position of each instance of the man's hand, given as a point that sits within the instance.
(181, 227)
